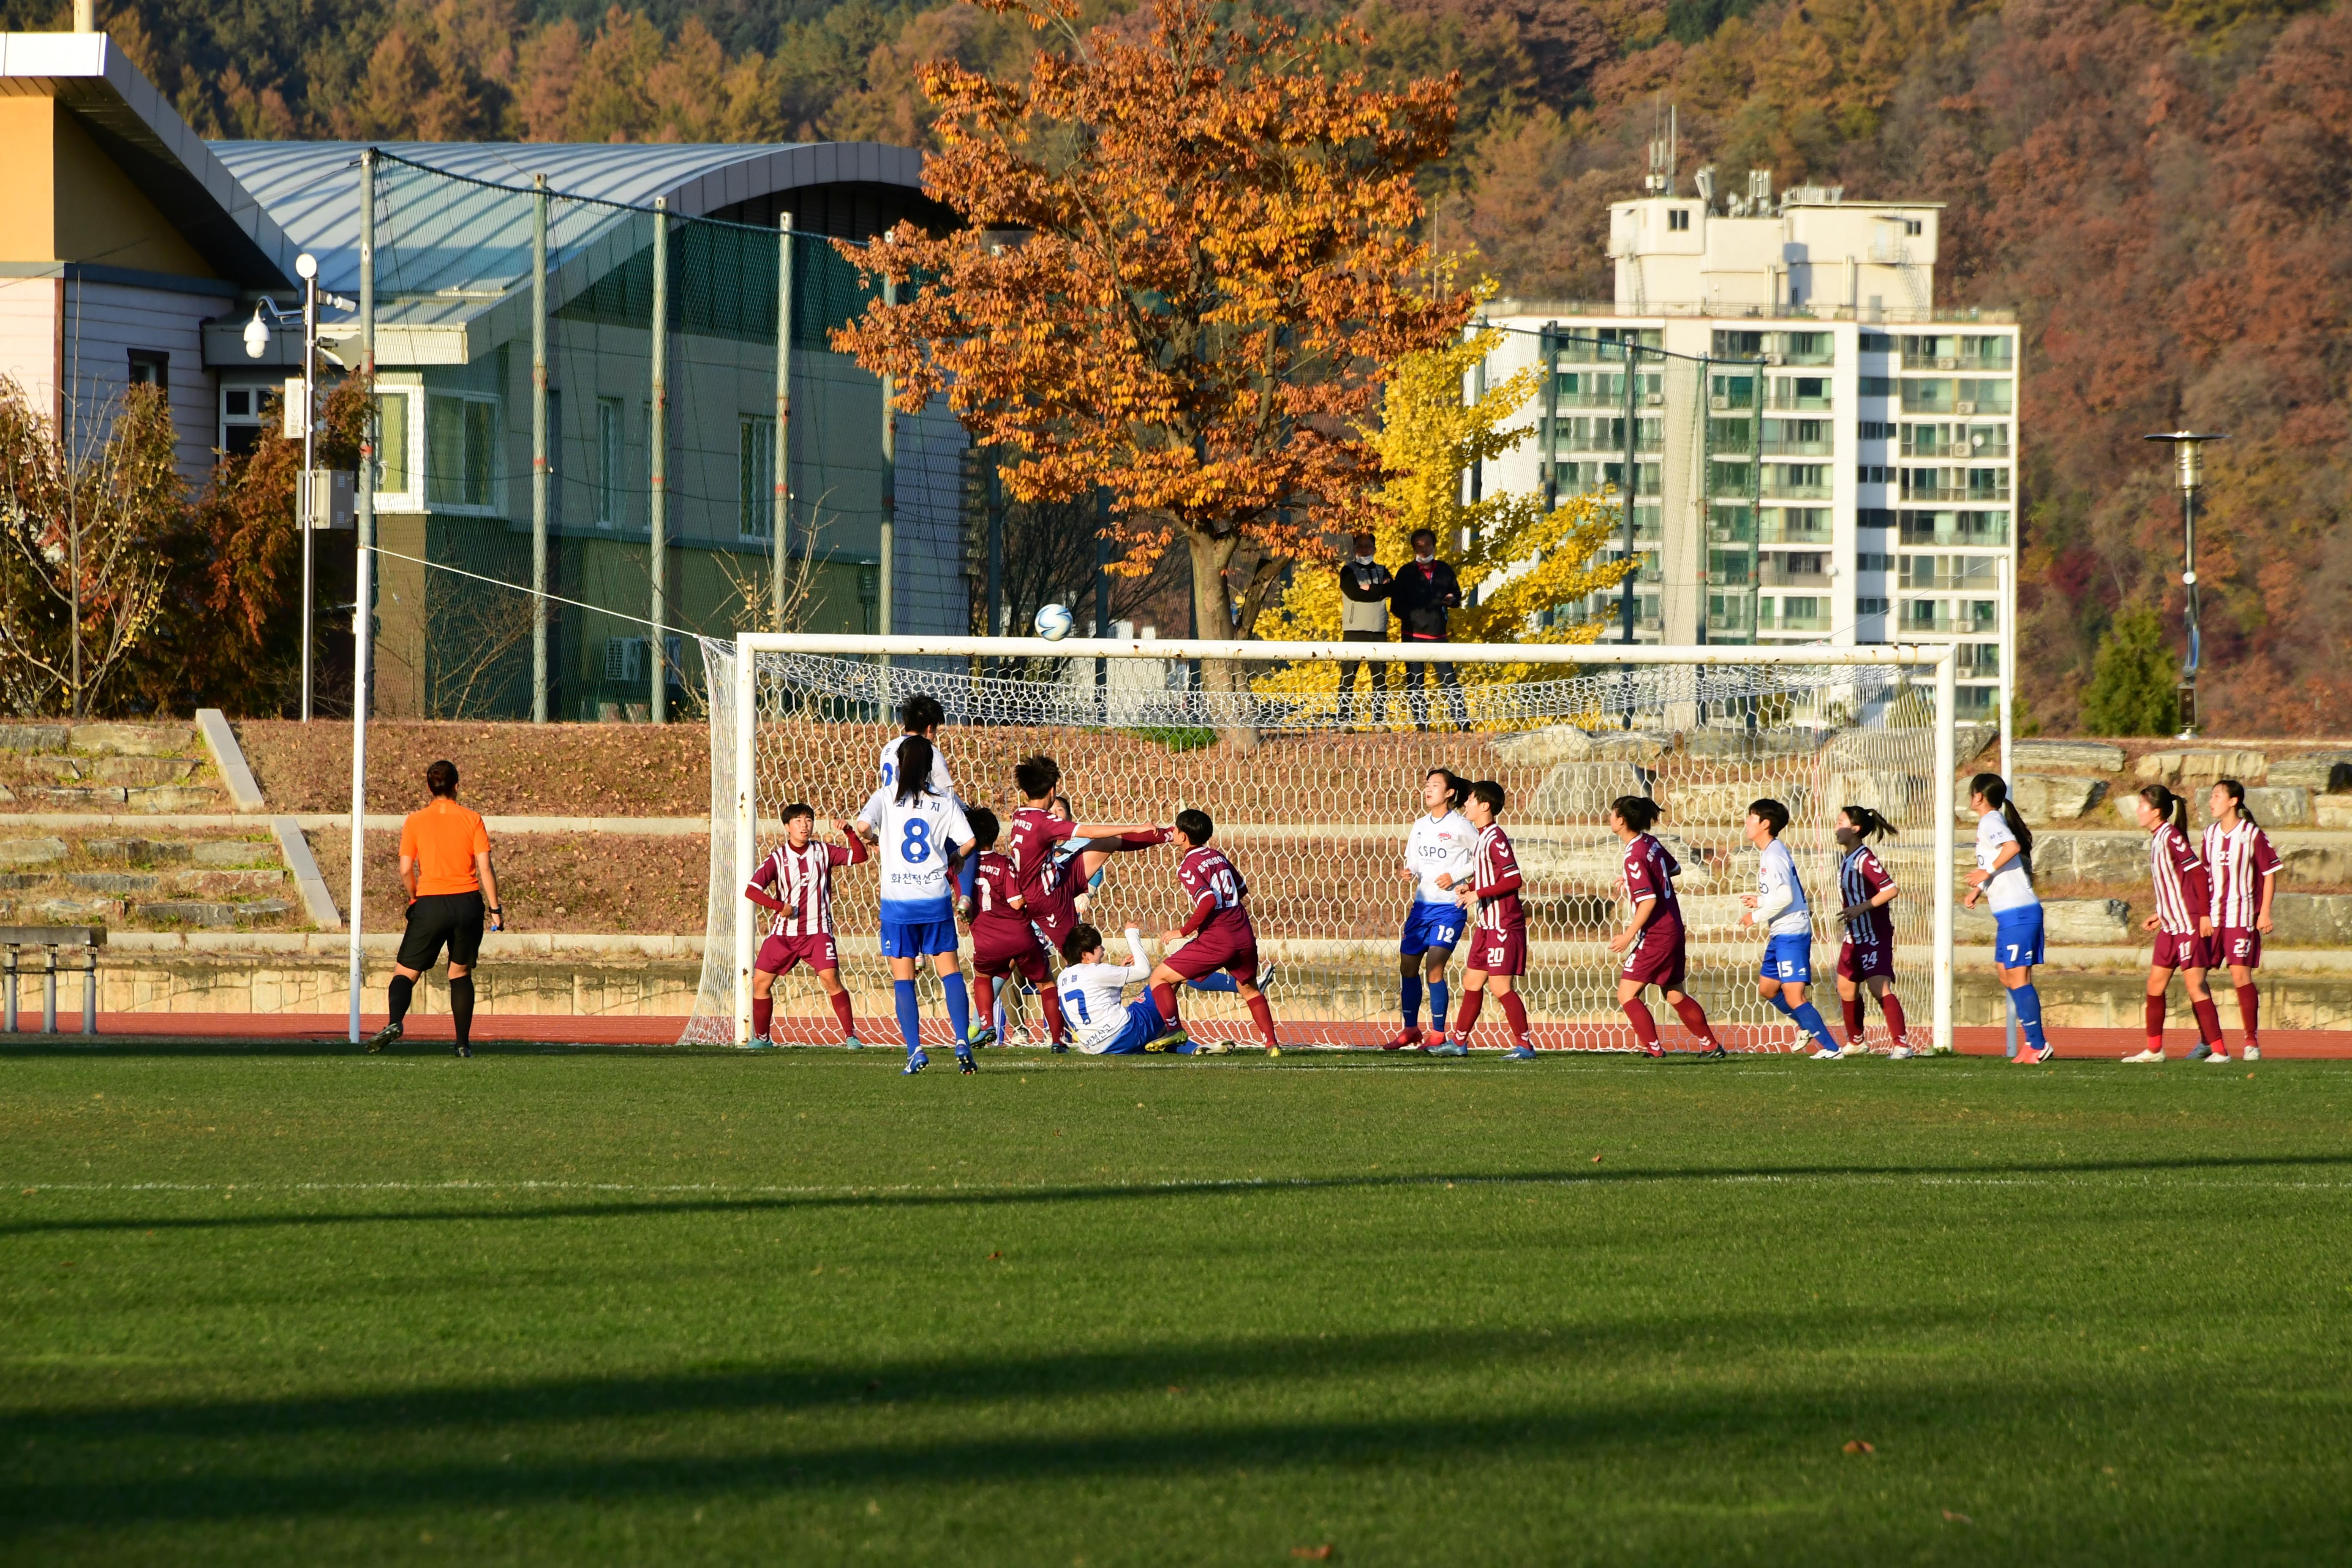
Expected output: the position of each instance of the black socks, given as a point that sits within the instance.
(461, 1006)
(398, 992)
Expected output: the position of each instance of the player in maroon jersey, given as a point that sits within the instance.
(1866, 893)
(800, 870)
(1004, 940)
(2183, 922)
(1498, 931)
(1652, 940)
(2245, 870)
(1219, 929)
(1037, 828)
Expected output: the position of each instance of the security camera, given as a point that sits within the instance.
(257, 335)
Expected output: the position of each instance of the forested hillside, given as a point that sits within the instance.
(2164, 194)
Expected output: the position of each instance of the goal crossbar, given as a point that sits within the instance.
(740, 836)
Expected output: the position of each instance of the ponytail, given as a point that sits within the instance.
(2168, 805)
(1867, 824)
(1457, 788)
(1996, 795)
(1637, 811)
(914, 768)
(2236, 792)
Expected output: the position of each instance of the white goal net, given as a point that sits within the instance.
(1312, 798)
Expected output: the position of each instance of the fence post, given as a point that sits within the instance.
(363, 608)
(780, 521)
(658, 475)
(539, 448)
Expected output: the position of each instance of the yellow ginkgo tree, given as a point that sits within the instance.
(1523, 560)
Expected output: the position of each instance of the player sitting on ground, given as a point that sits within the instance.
(1219, 928)
(1498, 936)
(1652, 940)
(1779, 905)
(1003, 942)
(1096, 993)
(800, 869)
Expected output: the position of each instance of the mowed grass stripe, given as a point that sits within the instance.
(690, 1308)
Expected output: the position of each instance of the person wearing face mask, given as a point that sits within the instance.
(1364, 589)
(1426, 589)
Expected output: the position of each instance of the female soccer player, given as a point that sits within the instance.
(1779, 905)
(1498, 942)
(917, 829)
(1652, 940)
(1109, 1024)
(1221, 936)
(1003, 942)
(1866, 889)
(2245, 870)
(800, 869)
(1440, 853)
(2004, 878)
(2183, 923)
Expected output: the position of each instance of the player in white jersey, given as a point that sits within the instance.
(1440, 855)
(915, 829)
(800, 870)
(1779, 906)
(2245, 869)
(922, 716)
(1093, 997)
(2004, 880)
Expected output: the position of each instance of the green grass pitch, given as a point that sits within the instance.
(663, 1307)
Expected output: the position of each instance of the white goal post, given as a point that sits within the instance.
(1313, 792)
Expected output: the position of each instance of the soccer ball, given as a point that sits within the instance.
(1054, 622)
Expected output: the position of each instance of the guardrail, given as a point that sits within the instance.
(83, 940)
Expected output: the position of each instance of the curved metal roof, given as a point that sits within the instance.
(312, 188)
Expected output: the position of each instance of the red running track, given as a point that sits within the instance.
(553, 1029)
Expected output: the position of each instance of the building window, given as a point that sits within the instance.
(1873, 430)
(1870, 606)
(1869, 474)
(1870, 562)
(610, 461)
(240, 419)
(151, 367)
(755, 497)
(391, 443)
(1913, 227)
(1679, 219)
(461, 437)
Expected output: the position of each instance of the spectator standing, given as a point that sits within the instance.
(1425, 590)
(1364, 589)
(444, 861)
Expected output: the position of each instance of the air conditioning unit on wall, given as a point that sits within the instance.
(1964, 409)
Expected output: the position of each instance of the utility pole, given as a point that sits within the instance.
(539, 448)
(1632, 481)
(2189, 468)
(307, 265)
(780, 522)
(657, 476)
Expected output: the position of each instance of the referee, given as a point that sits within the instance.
(444, 861)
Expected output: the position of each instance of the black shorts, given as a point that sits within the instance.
(452, 917)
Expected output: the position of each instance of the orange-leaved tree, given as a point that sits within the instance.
(1188, 264)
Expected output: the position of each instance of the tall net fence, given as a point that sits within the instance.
(678, 446)
(1313, 805)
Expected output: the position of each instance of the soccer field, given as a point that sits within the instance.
(659, 1307)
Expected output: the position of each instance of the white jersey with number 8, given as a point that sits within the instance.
(916, 839)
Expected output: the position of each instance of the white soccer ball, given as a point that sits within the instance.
(1054, 622)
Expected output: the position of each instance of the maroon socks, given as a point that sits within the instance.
(2249, 1013)
(1892, 1007)
(1853, 1026)
(1694, 1017)
(1465, 1017)
(2155, 1015)
(763, 1013)
(1516, 1011)
(1637, 1013)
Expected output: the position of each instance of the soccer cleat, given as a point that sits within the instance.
(385, 1036)
(1274, 1050)
(463, 1050)
(1435, 1037)
(1713, 1053)
(1061, 1048)
(2200, 1051)
(1265, 974)
(1901, 1054)
(760, 1043)
(1407, 1038)
(916, 1062)
(1448, 1048)
(1520, 1054)
(852, 1043)
(1178, 1042)
(982, 1037)
(2147, 1056)
(1217, 1048)
(1826, 1055)
(965, 1062)
(2252, 1053)
(2217, 1056)
(1652, 1048)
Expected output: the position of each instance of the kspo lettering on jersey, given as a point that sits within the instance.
(1441, 847)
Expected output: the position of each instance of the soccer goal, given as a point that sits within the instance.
(1313, 791)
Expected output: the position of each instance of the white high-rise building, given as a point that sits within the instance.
(1820, 455)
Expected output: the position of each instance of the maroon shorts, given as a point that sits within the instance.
(2239, 947)
(1503, 952)
(2190, 952)
(1054, 925)
(1858, 962)
(1656, 957)
(996, 953)
(778, 953)
(1228, 943)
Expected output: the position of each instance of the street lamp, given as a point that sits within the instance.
(256, 343)
(2188, 467)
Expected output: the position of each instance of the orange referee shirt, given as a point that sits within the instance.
(443, 838)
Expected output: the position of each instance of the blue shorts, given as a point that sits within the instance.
(2017, 937)
(1431, 925)
(917, 938)
(1789, 959)
(1144, 1024)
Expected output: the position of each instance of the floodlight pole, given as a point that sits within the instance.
(306, 511)
(657, 476)
(780, 522)
(1632, 490)
(539, 448)
(363, 607)
(2188, 469)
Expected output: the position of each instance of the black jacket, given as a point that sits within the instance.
(1421, 602)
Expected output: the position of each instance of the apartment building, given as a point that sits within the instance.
(1817, 453)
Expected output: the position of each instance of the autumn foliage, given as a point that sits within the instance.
(1191, 259)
